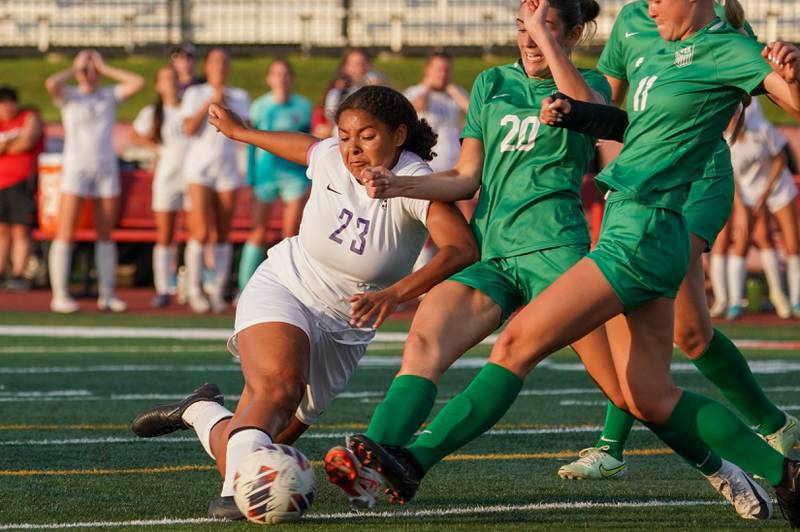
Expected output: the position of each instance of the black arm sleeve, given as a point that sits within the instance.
(598, 120)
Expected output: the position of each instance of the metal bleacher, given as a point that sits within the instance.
(393, 24)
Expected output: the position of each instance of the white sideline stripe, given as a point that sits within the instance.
(223, 334)
(413, 514)
(103, 349)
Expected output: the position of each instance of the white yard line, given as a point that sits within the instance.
(385, 516)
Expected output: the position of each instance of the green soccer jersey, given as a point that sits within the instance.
(682, 95)
(633, 36)
(532, 173)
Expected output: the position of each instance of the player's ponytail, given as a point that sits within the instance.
(576, 12)
(393, 109)
(734, 13)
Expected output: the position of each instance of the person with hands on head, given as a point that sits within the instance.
(706, 211)
(213, 178)
(307, 315)
(90, 170)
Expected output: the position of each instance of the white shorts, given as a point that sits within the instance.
(266, 300)
(783, 193)
(222, 176)
(91, 184)
(168, 194)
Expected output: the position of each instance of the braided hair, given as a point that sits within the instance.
(393, 109)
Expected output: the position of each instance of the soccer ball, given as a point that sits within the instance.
(274, 484)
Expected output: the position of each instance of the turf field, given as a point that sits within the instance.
(68, 459)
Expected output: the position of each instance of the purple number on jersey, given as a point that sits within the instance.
(346, 216)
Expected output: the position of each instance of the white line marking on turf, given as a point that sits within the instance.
(107, 349)
(367, 516)
(223, 334)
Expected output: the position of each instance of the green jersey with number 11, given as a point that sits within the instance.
(532, 173)
(682, 95)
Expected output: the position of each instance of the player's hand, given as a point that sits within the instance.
(761, 203)
(379, 182)
(372, 307)
(784, 58)
(97, 60)
(553, 110)
(81, 60)
(225, 121)
(534, 17)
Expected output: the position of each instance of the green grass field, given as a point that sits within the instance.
(68, 456)
(27, 75)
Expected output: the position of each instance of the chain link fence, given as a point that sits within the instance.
(388, 24)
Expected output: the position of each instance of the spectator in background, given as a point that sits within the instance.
(183, 59)
(90, 170)
(350, 76)
(269, 175)
(212, 177)
(21, 142)
(161, 126)
(443, 104)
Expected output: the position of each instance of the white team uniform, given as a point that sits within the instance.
(211, 159)
(348, 243)
(90, 167)
(751, 157)
(168, 183)
(445, 117)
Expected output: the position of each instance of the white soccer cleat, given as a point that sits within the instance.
(595, 463)
(361, 484)
(198, 303)
(748, 498)
(64, 305)
(112, 304)
(782, 307)
(783, 439)
(217, 303)
(718, 309)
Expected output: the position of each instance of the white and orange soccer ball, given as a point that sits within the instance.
(274, 484)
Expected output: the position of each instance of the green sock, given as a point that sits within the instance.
(252, 256)
(723, 364)
(405, 407)
(616, 429)
(689, 447)
(468, 415)
(698, 417)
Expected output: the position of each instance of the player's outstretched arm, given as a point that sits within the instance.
(784, 83)
(457, 248)
(451, 185)
(290, 145)
(598, 120)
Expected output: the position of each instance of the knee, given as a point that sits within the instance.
(283, 391)
(422, 356)
(650, 407)
(692, 339)
(200, 234)
(509, 352)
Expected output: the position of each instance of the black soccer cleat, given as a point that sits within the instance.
(224, 508)
(788, 492)
(401, 472)
(164, 419)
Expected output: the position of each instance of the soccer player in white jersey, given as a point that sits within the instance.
(90, 170)
(161, 126)
(213, 177)
(306, 316)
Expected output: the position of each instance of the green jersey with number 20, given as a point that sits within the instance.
(682, 95)
(633, 36)
(532, 173)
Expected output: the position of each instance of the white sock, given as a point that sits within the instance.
(772, 270)
(717, 265)
(737, 274)
(202, 416)
(193, 259)
(59, 261)
(793, 276)
(223, 254)
(161, 268)
(240, 445)
(105, 260)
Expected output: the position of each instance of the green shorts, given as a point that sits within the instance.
(514, 281)
(643, 251)
(708, 207)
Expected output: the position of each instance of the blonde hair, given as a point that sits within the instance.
(734, 12)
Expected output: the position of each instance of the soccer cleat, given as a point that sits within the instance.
(788, 492)
(783, 439)
(733, 312)
(17, 284)
(64, 305)
(361, 484)
(164, 419)
(594, 463)
(198, 303)
(217, 303)
(112, 304)
(225, 508)
(160, 301)
(748, 498)
(718, 309)
(400, 470)
(782, 307)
